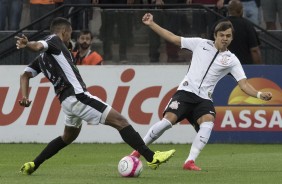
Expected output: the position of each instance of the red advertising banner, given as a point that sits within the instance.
(141, 93)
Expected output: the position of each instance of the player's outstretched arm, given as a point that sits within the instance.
(24, 83)
(167, 35)
(251, 91)
(22, 42)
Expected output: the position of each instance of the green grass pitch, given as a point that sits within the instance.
(97, 163)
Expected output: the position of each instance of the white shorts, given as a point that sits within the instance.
(85, 107)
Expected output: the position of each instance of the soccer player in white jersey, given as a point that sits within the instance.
(56, 63)
(211, 61)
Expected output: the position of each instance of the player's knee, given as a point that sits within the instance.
(70, 134)
(170, 117)
(122, 122)
(119, 122)
(207, 124)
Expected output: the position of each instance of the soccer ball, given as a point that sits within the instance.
(130, 166)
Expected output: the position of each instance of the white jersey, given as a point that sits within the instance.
(207, 67)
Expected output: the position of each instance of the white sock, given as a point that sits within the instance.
(156, 131)
(200, 140)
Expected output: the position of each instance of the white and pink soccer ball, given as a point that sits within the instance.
(130, 166)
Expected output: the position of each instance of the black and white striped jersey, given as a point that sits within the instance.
(207, 67)
(56, 63)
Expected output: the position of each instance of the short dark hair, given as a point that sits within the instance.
(235, 8)
(84, 32)
(57, 23)
(223, 26)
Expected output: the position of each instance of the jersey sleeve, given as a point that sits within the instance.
(34, 67)
(190, 43)
(51, 44)
(237, 70)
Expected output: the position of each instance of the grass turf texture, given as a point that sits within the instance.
(97, 163)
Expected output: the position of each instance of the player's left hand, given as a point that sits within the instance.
(21, 41)
(25, 102)
(266, 96)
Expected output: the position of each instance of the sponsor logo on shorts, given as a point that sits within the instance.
(174, 105)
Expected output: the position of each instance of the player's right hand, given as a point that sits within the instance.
(25, 102)
(21, 41)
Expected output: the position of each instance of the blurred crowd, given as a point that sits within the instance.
(19, 13)
(102, 22)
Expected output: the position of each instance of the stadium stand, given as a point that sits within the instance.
(271, 41)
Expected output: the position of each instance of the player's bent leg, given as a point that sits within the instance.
(157, 130)
(154, 133)
(198, 145)
(128, 134)
(116, 120)
(133, 139)
(70, 134)
(154, 159)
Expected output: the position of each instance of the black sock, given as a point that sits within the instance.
(50, 150)
(133, 139)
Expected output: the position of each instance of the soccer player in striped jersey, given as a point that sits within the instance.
(56, 63)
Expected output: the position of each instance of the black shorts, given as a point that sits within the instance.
(187, 105)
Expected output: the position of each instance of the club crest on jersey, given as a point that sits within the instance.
(185, 83)
(174, 105)
(225, 60)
